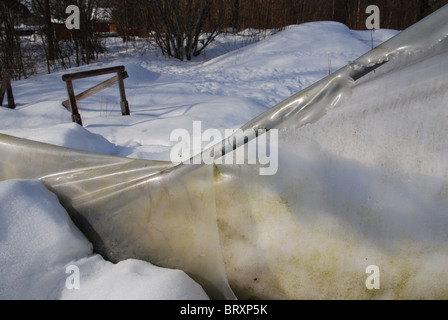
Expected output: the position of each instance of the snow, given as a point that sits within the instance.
(39, 244)
(230, 84)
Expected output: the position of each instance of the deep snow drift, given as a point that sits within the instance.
(223, 91)
(40, 245)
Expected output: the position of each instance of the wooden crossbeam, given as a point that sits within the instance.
(95, 89)
(92, 73)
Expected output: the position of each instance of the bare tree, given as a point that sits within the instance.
(179, 26)
(11, 57)
(62, 44)
(184, 28)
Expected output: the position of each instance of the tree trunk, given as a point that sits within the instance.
(49, 32)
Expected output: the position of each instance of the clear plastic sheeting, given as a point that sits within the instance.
(304, 232)
(327, 92)
(130, 208)
(369, 196)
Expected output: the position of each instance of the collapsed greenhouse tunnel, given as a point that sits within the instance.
(295, 234)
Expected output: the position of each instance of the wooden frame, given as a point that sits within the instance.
(71, 103)
(6, 87)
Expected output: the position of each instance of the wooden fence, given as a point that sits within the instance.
(71, 103)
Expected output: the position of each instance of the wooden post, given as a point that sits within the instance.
(2, 90)
(76, 117)
(6, 87)
(11, 102)
(124, 103)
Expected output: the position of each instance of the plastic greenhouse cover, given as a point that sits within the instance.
(241, 234)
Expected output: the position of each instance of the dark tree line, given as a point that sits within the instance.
(185, 27)
(395, 14)
(266, 14)
(181, 28)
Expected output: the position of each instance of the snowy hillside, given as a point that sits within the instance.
(224, 89)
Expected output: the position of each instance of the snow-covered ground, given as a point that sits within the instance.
(223, 90)
(229, 85)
